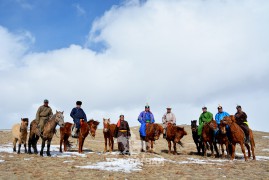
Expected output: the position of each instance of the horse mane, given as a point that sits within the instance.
(94, 122)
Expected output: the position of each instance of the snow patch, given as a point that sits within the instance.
(265, 150)
(266, 137)
(1, 160)
(115, 164)
(68, 161)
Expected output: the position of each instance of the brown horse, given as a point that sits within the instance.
(109, 131)
(153, 132)
(196, 138)
(48, 132)
(208, 137)
(174, 134)
(85, 127)
(238, 136)
(223, 140)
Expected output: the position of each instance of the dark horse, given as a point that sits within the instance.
(174, 134)
(49, 131)
(208, 137)
(196, 138)
(153, 132)
(85, 127)
(238, 136)
(109, 132)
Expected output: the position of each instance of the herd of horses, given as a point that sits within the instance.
(174, 134)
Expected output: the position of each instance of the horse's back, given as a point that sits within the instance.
(112, 129)
(67, 127)
(16, 130)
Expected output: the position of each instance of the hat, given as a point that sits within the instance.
(238, 106)
(46, 101)
(168, 107)
(219, 107)
(121, 115)
(147, 106)
(204, 107)
(78, 102)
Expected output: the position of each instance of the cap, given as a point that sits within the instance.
(46, 101)
(147, 106)
(204, 107)
(238, 106)
(78, 102)
(168, 107)
(219, 107)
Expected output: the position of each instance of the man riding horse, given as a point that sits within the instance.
(241, 120)
(218, 117)
(77, 114)
(205, 117)
(168, 117)
(144, 118)
(43, 114)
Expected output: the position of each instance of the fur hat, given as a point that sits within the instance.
(78, 102)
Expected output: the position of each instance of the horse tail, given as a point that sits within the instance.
(251, 137)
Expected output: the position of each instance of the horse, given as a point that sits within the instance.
(48, 132)
(65, 132)
(19, 132)
(223, 139)
(153, 132)
(196, 138)
(175, 134)
(109, 131)
(238, 136)
(208, 137)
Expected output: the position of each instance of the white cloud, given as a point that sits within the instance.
(185, 54)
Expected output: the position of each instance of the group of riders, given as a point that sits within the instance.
(123, 134)
(240, 117)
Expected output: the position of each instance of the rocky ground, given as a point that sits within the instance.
(95, 164)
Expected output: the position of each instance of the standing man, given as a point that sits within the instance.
(123, 134)
(168, 117)
(77, 114)
(144, 118)
(220, 115)
(204, 118)
(241, 120)
(43, 114)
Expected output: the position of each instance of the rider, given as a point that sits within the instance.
(204, 118)
(241, 120)
(219, 116)
(168, 117)
(77, 114)
(144, 118)
(43, 114)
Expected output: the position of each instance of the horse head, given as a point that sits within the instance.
(180, 132)
(222, 127)
(93, 126)
(213, 125)
(24, 123)
(158, 131)
(228, 120)
(106, 124)
(194, 126)
(59, 118)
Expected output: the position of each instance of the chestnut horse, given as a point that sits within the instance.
(196, 138)
(85, 127)
(208, 137)
(223, 140)
(153, 132)
(174, 134)
(49, 131)
(238, 136)
(109, 131)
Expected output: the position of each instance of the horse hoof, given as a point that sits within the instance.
(49, 155)
(18, 152)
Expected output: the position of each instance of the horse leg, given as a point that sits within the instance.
(110, 144)
(14, 144)
(233, 151)
(216, 149)
(211, 149)
(25, 150)
(19, 146)
(48, 147)
(42, 147)
(252, 144)
(248, 148)
(29, 145)
(169, 147)
(175, 147)
(105, 144)
(243, 150)
(61, 143)
(82, 143)
(205, 148)
(197, 147)
(152, 146)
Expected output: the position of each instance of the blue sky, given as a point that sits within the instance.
(183, 54)
(54, 24)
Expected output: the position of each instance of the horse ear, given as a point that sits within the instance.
(108, 119)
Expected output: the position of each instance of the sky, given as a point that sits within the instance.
(116, 56)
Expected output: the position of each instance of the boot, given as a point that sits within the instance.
(247, 139)
(74, 132)
(164, 135)
(40, 130)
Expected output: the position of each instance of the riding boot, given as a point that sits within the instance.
(247, 139)
(74, 132)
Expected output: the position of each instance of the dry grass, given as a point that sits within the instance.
(26, 166)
